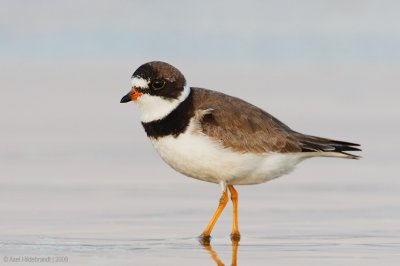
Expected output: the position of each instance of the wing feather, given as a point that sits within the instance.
(243, 127)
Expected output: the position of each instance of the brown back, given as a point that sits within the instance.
(241, 126)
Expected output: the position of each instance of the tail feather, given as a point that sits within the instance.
(331, 147)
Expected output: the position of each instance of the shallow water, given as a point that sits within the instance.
(281, 250)
(154, 218)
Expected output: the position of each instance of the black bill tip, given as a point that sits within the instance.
(126, 98)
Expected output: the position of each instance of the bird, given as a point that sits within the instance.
(217, 138)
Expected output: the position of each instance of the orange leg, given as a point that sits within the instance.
(235, 236)
(234, 253)
(205, 236)
(214, 255)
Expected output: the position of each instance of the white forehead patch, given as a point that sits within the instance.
(139, 82)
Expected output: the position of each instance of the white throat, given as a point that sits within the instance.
(155, 107)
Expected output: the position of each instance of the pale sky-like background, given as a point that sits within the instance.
(327, 68)
(314, 64)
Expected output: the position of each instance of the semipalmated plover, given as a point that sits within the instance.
(218, 138)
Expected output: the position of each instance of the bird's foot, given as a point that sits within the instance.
(204, 239)
(235, 237)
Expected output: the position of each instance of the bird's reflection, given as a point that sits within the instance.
(214, 256)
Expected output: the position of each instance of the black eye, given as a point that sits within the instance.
(158, 84)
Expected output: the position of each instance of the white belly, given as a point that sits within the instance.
(195, 155)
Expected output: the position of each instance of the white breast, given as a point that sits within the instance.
(195, 155)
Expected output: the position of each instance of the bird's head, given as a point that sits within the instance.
(157, 88)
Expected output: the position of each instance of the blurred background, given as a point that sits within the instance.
(76, 164)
